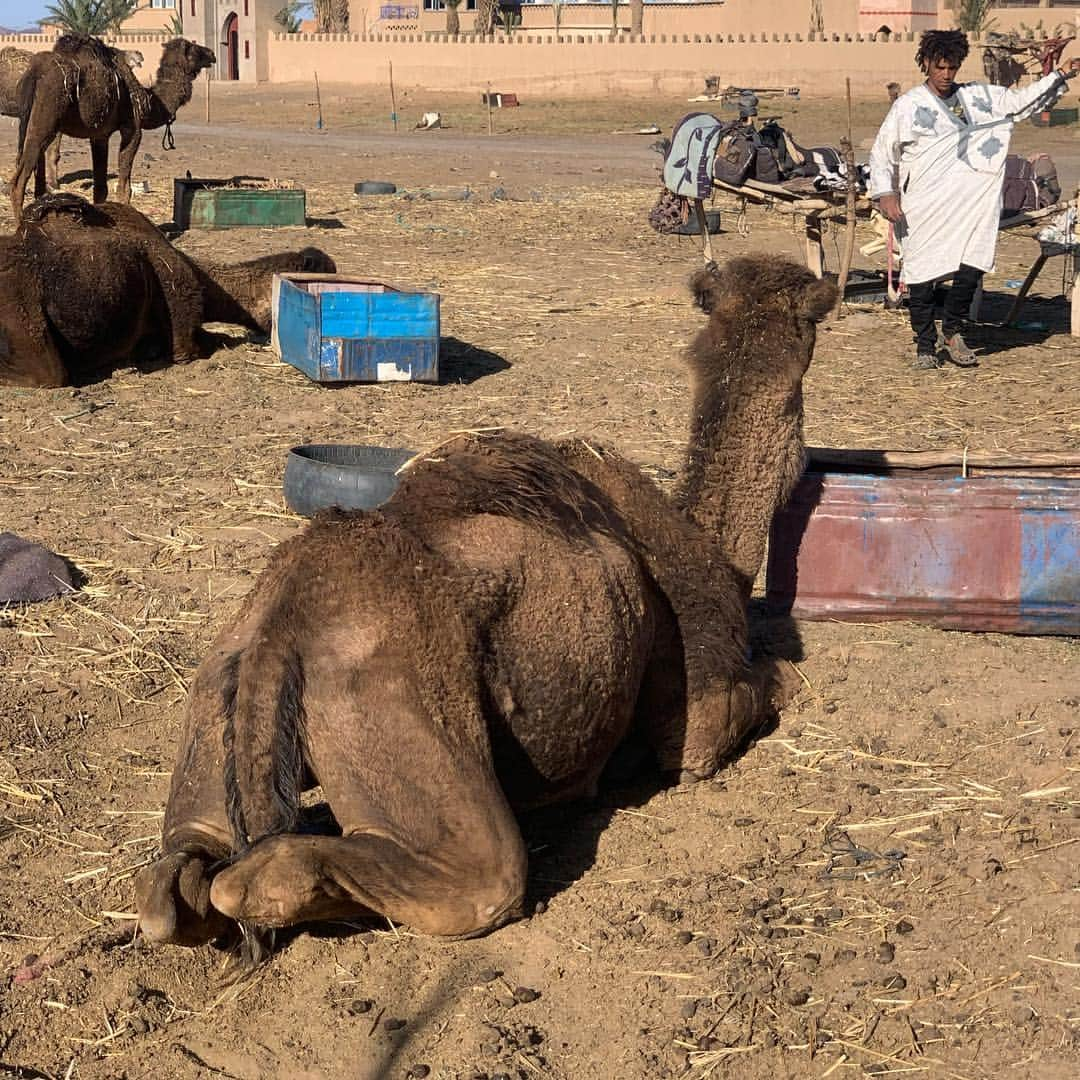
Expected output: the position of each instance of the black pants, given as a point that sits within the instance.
(957, 302)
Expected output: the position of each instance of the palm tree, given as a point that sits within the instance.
(288, 18)
(637, 16)
(453, 25)
(973, 15)
(94, 17)
(332, 16)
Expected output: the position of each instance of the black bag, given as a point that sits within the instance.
(1020, 190)
(736, 154)
(1046, 179)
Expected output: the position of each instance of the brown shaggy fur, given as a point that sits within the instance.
(85, 89)
(88, 287)
(747, 365)
(479, 646)
(14, 63)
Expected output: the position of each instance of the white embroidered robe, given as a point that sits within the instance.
(951, 171)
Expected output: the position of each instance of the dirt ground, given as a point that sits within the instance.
(886, 883)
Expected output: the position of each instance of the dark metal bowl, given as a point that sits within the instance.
(319, 476)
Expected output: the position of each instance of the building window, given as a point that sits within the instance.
(163, 3)
(245, 8)
(247, 49)
(193, 7)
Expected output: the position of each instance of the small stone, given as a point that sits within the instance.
(540, 908)
(361, 1006)
(886, 952)
(683, 937)
(798, 997)
(688, 1010)
(743, 822)
(504, 997)
(895, 982)
(393, 1023)
(525, 994)
(904, 927)
(487, 975)
(829, 707)
(418, 1072)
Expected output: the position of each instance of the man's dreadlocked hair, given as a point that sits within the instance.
(948, 45)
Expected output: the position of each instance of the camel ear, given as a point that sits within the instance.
(707, 286)
(818, 299)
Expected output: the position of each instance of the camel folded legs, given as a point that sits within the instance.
(291, 879)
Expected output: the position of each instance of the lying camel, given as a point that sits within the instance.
(14, 63)
(480, 646)
(85, 89)
(85, 288)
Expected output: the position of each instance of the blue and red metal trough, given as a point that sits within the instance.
(982, 542)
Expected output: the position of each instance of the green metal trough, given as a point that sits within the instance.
(235, 204)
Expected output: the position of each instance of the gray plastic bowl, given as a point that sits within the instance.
(350, 477)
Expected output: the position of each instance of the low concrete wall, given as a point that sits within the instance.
(580, 66)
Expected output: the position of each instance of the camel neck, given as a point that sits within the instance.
(743, 458)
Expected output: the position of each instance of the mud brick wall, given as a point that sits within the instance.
(579, 65)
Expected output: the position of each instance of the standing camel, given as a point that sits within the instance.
(14, 63)
(86, 90)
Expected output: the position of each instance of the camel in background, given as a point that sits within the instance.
(14, 63)
(85, 89)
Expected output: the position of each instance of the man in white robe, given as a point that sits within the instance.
(937, 170)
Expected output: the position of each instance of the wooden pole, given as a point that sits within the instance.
(393, 98)
(208, 95)
(1074, 296)
(491, 118)
(318, 104)
(848, 250)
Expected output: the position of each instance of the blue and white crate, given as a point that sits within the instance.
(336, 328)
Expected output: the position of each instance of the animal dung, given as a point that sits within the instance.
(237, 202)
(336, 328)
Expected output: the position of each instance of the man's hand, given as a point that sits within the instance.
(889, 205)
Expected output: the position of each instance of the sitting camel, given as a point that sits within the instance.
(14, 63)
(479, 646)
(85, 89)
(88, 287)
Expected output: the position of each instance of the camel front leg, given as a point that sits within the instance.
(25, 165)
(52, 164)
(99, 156)
(129, 147)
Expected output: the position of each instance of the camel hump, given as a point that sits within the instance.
(64, 204)
(74, 44)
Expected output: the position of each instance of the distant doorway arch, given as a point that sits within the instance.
(230, 38)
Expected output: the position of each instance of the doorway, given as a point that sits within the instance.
(230, 38)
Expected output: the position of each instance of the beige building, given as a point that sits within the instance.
(242, 32)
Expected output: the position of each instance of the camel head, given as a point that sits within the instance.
(186, 56)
